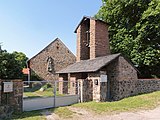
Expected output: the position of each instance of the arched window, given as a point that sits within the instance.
(49, 64)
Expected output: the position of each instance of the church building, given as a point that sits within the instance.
(51, 59)
(100, 75)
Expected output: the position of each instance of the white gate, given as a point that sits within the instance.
(42, 102)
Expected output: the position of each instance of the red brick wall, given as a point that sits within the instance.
(63, 83)
(82, 49)
(99, 41)
(73, 89)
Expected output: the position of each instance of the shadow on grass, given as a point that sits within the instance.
(30, 97)
(32, 89)
(32, 115)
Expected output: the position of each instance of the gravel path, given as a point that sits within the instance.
(141, 115)
(81, 114)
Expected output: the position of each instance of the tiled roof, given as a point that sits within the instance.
(90, 65)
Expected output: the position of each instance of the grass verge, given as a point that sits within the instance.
(63, 112)
(33, 115)
(145, 101)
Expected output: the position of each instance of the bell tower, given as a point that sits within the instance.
(92, 39)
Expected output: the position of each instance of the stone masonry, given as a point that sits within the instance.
(12, 101)
(56, 53)
(120, 71)
(124, 81)
(147, 85)
(85, 90)
(141, 86)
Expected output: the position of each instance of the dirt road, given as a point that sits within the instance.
(81, 114)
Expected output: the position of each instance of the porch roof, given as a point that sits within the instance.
(90, 65)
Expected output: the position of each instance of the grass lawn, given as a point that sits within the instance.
(35, 91)
(145, 101)
(46, 93)
(33, 115)
(62, 112)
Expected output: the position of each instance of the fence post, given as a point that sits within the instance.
(55, 89)
(78, 90)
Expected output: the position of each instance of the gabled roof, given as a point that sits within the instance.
(90, 65)
(85, 18)
(57, 39)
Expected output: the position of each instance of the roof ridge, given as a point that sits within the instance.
(90, 65)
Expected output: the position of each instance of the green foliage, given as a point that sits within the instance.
(11, 64)
(47, 85)
(34, 76)
(135, 31)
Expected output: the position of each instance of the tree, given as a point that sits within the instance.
(0, 47)
(135, 32)
(11, 64)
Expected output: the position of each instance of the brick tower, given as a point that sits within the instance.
(92, 39)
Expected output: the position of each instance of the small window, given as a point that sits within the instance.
(49, 64)
(96, 81)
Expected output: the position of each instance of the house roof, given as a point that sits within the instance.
(85, 18)
(90, 65)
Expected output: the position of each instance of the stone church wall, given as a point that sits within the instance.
(60, 55)
(122, 79)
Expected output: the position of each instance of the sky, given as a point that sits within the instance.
(30, 25)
